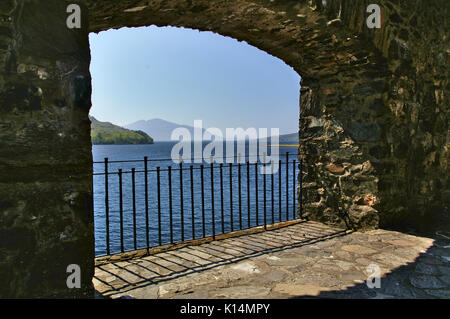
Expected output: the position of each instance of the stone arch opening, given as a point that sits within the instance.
(168, 82)
(373, 134)
(329, 98)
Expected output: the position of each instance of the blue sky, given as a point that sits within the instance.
(181, 75)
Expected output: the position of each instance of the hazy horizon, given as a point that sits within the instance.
(155, 136)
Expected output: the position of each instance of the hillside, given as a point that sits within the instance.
(108, 133)
(289, 138)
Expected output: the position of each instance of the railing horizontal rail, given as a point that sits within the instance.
(237, 156)
(167, 169)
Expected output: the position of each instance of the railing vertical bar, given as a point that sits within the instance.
(248, 194)
(279, 190)
(203, 200)
(294, 193)
(107, 205)
(287, 185)
(170, 204)
(231, 196)
(256, 194)
(265, 195)
(213, 221)
(301, 189)
(147, 228)
(271, 191)
(158, 181)
(221, 199)
(240, 196)
(192, 201)
(133, 184)
(121, 210)
(181, 200)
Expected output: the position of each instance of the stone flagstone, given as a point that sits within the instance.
(331, 266)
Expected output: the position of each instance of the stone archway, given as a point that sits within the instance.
(373, 116)
(341, 70)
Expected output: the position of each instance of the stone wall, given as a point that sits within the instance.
(410, 149)
(373, 126)
(46, 219)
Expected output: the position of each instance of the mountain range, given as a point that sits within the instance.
(145, 132)
(161, 130)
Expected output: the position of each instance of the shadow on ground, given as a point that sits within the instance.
(427, 276)
(181, 262)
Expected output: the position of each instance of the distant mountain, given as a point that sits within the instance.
(108, 133)
(160, 130)
(289, 138)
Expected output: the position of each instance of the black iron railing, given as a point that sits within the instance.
(148, 203)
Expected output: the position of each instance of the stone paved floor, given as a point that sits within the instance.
(304, 260)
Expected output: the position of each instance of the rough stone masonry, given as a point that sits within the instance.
(373, 127)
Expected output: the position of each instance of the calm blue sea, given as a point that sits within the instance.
(230, 207)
